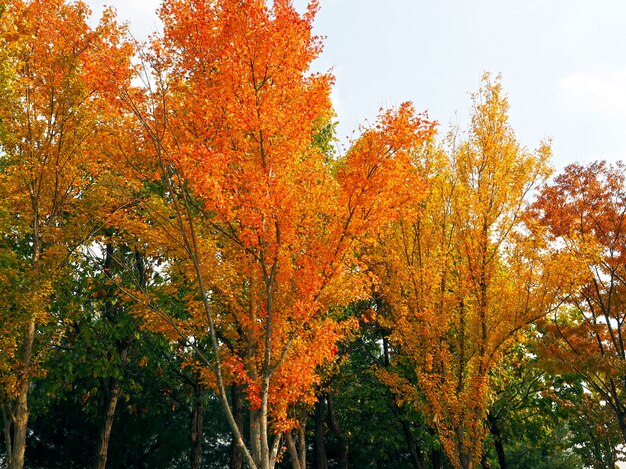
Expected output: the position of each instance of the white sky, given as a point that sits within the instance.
(563, 63)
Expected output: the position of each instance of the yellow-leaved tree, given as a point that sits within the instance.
(462, 276)
(58, 82)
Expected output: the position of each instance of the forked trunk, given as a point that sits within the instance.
(297, 450)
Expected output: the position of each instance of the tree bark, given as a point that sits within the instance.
(6, 426)
(319, 442)
(436, 458)
(410, 442)
(20, 410)
(110, 314)
(464, 453)
(196, 429)
(255, 435)
(236, 455)
(293, 451)
(297, 452)
(105, 433)
(466, 460)
(494, 428)
(302, 443)
(332, 420)
(621, 416)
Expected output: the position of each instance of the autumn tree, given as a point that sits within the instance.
(584, 211)
(57, 84)
(264, 223)
(461, 276)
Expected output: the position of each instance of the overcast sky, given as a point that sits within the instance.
(563, 63)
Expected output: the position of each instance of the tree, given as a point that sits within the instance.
(264, 223)
(583, 212)
(462, 277)
(57, 83)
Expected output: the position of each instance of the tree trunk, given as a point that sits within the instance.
(6, 427)
(105, 433)
(196, 429)
(111, 314)
(436, 458)
(297, 453)
(343, 458)
(410, 441)
(255, 435)
(492, 423)
(466, 461)
(236, 455)
(20, 413)
(302, 443)
(319, 442)
(20, 410)
(621, 419)
(293, 451)
(484, 462)
(406, 429)
(265, 448)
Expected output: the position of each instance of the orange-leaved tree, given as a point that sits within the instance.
(56, 101)
(461, 276)
(262, 222)
(584, 212)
